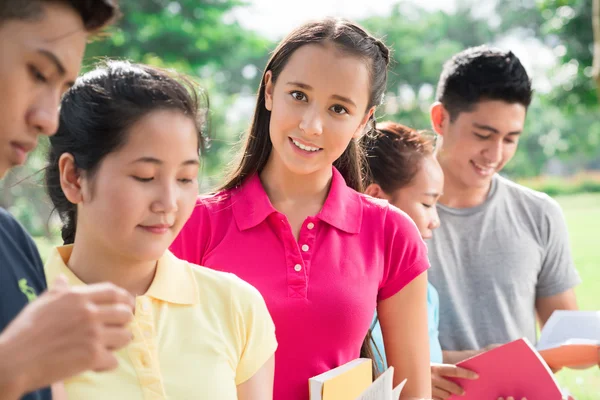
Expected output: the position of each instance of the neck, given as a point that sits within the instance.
(458, 195)
(283, 186)
(93, 264)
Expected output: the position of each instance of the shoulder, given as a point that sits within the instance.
(533, 200)
(224, 284)
(382, 214)
(9, 224)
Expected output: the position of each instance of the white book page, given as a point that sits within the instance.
(570, 327)
(381, 389)
(397, 390)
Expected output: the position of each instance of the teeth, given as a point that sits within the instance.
(485, 170)
(303, 147)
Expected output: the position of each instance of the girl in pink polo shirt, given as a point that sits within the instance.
(290, 220)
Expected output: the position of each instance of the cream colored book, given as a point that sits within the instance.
(345, 382)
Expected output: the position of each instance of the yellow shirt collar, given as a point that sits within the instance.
(174, 281)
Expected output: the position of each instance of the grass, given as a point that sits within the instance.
(582, 212)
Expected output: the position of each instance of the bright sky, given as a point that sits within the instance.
(275, 18)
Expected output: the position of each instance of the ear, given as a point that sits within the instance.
(374, 190)
(361, 128)
(70, 180)
(269, 87)
(440, 118)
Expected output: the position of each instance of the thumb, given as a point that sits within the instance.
(452, 371)
(60, 283)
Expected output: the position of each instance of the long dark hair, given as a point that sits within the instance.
(98, 111)
(347, 37)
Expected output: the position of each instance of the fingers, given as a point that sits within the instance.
(452, 371)
(115, 314)
(440, 394)
(106, 362)
(106, 293)
(60, 283)
(441, 384)
(116, 338)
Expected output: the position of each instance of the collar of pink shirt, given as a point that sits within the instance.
(342, 208)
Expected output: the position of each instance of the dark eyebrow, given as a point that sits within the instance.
(57, 63)
(335, 96)
(156, 161)
(493, 130)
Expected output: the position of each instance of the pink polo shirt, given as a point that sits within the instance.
(321, 290)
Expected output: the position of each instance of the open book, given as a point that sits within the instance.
(571, 339)
(354, 381)
(514, 369)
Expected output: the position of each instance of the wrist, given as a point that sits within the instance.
(12, 376)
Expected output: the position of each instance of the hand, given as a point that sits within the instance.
(64, 332)
(442, 388)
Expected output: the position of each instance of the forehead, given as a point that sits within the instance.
(160, 130)
(328, 70)
(59, 30)
(504, 117)
(430, 177)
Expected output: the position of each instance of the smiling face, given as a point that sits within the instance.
(137, 201)
(479, 143)
(40, 60)
(318, 104)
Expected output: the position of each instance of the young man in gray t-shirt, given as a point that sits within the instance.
(501, 257)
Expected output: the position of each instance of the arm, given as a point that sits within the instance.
(260, 386)
(545, 306)
(403, 320)
(62, 333)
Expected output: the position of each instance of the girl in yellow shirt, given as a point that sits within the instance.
(122, 174)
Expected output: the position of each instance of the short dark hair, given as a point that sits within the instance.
(95, 14)
(394, 153)
(482, 73)
(97, 113)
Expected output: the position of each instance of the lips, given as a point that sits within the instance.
(305, 146)
(157, 229)
(482, 169)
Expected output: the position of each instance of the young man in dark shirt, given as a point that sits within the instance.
(46, 336)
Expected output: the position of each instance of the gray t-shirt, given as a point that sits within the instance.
(489, 263)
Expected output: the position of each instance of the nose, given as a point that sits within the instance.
(311, 122)
(435, 219)
(493, 152)
(43, 116)
(166, 200)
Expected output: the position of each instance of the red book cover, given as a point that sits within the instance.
(514, 369)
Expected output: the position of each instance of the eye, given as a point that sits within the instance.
(141, 179)
(482, 137)
(37, 75)
(185, 180)
(339, 109)
(426, 205)
(507, 140)
(297, 95)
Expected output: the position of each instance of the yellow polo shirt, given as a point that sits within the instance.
(198, 333)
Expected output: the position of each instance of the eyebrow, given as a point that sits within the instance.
(493, 130)
(433, 194)
(57, 63)
(335, 96)
(156, 161)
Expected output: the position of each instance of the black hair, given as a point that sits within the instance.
(346, 37)
(97, 113)
(482, 73)
(95, 14)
